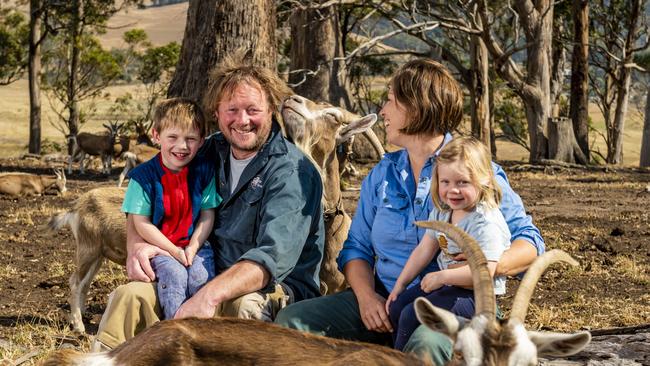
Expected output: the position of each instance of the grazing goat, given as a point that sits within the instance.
(99, 230)
(483, 341)
(318, 129)
(134, 157)
(97, 145)
(24, 184)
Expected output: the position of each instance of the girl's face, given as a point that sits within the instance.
(394, 115)
(455, 186)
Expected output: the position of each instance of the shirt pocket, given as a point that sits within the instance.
(392, 214)
(244, 217)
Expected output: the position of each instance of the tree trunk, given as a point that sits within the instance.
(579, 104)
(616, 155)
(479, 92)
(645, 140)
(216, 28)
(562, 143)
(75, 49)
(33, 76)
(315, 43)
(558, 63)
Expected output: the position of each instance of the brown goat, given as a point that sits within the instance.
(24, 184)
(99, 230)
(97, 145)
(318, 129)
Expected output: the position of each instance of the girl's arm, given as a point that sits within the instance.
(152, 235)
(200, 235)
(418, 261)
(460, 276)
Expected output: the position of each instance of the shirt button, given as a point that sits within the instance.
(385, 200)
(418, 201)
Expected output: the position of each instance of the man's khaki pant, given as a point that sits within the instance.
(133, 307)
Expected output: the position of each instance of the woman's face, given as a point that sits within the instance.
(394, 115)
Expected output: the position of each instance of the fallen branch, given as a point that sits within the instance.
(643, 328)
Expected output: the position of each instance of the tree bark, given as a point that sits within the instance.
(579, 104)
(479, 91)
(215, 29)
(75, 50)
(562, 143)
(34, 70)
(315, 43)
(645, 140)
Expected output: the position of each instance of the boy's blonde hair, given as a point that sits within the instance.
(183, 113)
(431, 96)
(477, 159)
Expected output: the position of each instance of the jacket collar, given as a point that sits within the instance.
(400, 157)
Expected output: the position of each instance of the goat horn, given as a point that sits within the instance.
(374, 141)
(527, 286)
(481, 278)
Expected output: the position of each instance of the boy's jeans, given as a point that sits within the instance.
(177, 283)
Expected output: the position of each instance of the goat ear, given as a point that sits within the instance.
(355, 127)
(559, 344)
(437, 319)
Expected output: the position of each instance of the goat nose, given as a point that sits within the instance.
(297, 98)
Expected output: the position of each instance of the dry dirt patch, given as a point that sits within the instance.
(601, 218)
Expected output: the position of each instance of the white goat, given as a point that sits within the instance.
(99, 230)
(247, 342)
(137, 155)
(24, 184)
(97, 145)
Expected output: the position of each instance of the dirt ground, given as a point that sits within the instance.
(601, 218)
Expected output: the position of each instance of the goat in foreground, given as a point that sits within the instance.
(99, 229)
(482, 341)
(97, 145)
(24, 184)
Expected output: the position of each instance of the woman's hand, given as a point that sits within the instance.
(431, 281)
(373, 313)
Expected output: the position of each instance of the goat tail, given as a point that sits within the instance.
(68, 218)
(68, 357)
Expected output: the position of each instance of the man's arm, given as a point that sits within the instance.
(138, 254)
(242, 278)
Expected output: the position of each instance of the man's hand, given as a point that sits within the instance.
(372, 308)
(197, 306)
(431, 281)
(138, 267)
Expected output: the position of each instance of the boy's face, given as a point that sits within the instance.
(178, 147)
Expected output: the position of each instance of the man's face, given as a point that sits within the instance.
(245, 119)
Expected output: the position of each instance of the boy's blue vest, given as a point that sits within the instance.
(149, 176)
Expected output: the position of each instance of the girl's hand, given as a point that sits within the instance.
(398, 289)
(190, 253)
(431, 281)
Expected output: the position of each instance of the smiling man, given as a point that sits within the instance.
(268, 232)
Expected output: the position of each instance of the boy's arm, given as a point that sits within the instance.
(152, 235)
(459, 276)
(200, 235)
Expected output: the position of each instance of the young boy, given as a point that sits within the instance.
(172, 199)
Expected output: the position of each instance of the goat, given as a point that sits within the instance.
(24, 184)
(484, 340)
(97, 145)
(134, 157)
(318, 129)
(243, 341)
(99, 230)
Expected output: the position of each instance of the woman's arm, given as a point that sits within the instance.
(360, 276)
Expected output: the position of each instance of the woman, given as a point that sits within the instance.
(424, 106)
